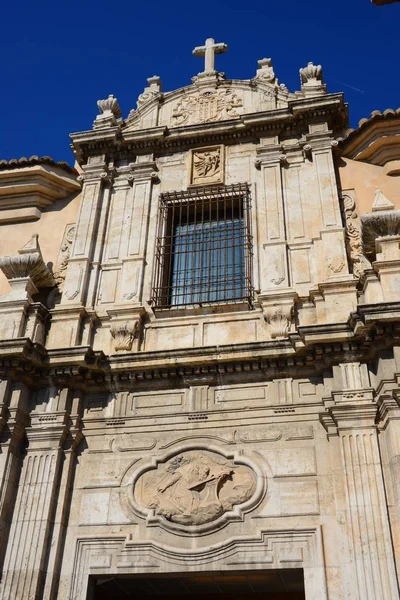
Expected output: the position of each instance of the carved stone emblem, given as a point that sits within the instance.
(206, 166)
(206, 107)
(195, 487)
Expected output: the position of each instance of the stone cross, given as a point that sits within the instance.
(209, 51)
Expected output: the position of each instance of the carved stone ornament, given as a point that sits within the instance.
(206, 165)
(312, 83)
(353, 236)
(63, 256)
(279, 319)
(124, 334)
(109, 106)
(380, 223)
(311, 74)
(109, 112)
(28, 263)
(206, 107)
(195, 487)
(153, 89)
(265, 72)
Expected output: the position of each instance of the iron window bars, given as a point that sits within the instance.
(204, 247)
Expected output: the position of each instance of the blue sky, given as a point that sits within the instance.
(59, 58)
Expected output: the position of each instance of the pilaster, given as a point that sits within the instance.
(351, 414)
(35, 535)
(142, 176)
(270, 218)
(14, 403)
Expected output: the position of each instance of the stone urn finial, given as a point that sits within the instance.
(312, 82)
(109, 111)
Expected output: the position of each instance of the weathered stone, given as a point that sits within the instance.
(209, 382)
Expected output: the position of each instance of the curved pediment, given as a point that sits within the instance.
(207, 102)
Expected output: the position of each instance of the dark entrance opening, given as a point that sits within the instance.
(277, 584)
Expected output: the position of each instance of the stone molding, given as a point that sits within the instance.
(212, 132)
(292, 548)
(27, 188)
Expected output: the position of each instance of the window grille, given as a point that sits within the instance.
(204, 247)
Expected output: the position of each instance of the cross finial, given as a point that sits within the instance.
(209, 50)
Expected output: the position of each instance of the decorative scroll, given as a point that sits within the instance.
(353, 236)
(63, 256)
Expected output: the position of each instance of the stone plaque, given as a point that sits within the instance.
(195, 487)
(206, 165)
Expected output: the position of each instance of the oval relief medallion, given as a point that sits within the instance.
(194, 487)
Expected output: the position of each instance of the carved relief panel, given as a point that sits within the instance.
(195, 488)
(206, 107)
(206, 165)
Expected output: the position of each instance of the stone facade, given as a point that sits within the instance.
(250, 428)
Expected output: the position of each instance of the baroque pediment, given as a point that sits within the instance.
(202, 103)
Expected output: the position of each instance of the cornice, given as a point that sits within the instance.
(376, 139)
(119, 139)
(29, 187)
(20, 163)
(81, 367)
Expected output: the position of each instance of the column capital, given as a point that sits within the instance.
(349, 409)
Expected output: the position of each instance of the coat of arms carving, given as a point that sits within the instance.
(195, 487)
(206, 107)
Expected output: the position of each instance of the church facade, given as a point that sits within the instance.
(200, 349)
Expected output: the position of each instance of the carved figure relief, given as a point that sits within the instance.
(195, 487)
(206, 166)
(206, 107)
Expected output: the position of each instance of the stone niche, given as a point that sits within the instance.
(196, 489)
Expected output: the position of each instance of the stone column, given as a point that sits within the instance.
(34, 540)
(351, 413)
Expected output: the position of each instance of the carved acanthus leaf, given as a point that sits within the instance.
(124, 334)
(279, 319)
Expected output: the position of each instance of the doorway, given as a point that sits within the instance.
(271, 584)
